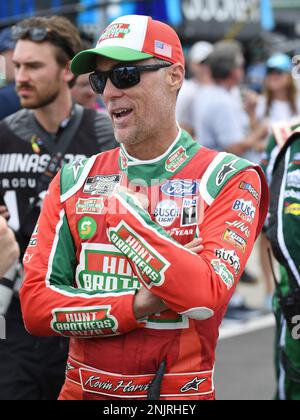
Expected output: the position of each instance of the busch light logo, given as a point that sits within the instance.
(2, 328)
(166, 212)
(180, 188)
(246, 209)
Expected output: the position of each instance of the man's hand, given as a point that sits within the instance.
(9, 247)
(4, 212)
(195, 246)
(145, 303)
(250, 100)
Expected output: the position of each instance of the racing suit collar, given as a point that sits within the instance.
(154, 171)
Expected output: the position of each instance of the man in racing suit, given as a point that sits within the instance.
(281, 164)
(107, 264)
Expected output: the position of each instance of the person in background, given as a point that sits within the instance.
(201, 76)
(283, 232)
(9, 100)
(219, 117)
(82, 92)
(281, 100)
(35, 142)
(221, 123)
(280, 103)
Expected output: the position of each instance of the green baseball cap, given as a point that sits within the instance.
(131, 38)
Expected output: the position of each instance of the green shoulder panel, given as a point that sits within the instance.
(222, 169)
(74, 175)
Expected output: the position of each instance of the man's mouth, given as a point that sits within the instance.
(120, 114)
(24, 90)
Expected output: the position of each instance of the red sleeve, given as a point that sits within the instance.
(192, 285)
(51, 304)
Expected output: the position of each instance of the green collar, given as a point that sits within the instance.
(153, 172)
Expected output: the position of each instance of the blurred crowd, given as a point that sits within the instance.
(225, 108)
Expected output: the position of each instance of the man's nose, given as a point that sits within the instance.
(111, 91)
(21, 75)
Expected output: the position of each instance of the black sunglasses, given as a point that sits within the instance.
(38, 34)
(121, 77)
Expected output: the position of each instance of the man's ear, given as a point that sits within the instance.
(67, 74)
(176, 75)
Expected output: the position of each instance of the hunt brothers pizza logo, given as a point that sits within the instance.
(117, 30)
(84, 322)
(176, 160)
(106, 271)
(150, 265)
(223, 272)
(89, 206)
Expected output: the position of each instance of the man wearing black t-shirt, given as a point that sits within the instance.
(34, 143)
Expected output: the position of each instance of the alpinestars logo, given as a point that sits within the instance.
(193, 385)
(227, 169)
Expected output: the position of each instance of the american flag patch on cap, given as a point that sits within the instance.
(164, 49)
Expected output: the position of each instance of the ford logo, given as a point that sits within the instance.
(180, 188)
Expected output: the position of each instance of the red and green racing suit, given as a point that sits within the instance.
(93, 248)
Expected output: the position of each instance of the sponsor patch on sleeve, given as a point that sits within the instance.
(245, 210)
(223, 272)
(84, 322)
(236, 240)
(248, 187)
(229, 257)
(150, 265)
